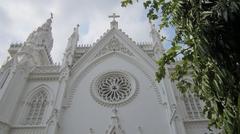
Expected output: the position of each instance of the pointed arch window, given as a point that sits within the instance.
(193, 106)
(36, 108)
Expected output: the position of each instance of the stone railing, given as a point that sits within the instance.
(28, 130)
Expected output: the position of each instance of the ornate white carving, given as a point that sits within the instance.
(36, 108)
(114, 46)
(71, 46)
(46, 69)
(48, 72)
(115, 127)
(113, 88)
(53, 117)
(42, 36)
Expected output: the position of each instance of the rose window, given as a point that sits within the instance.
(113, 88)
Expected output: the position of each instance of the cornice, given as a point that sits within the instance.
(47, 72)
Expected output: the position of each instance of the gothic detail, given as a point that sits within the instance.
(48, 72)
(193, 106)
(114, 88)
(115, 127)
(42, 36)
(99, 61)
(36, 108)
(71, 46)
(114, 46)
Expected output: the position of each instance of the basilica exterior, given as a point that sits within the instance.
(108, 87)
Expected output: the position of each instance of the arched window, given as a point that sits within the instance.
(36, 108)
(193, 106)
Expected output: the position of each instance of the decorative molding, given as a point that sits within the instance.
(48, 72)
(53, 117)
(44, 77)
(46, 69)
(114, 46)
(157, 90)
(90, 55)
(196, 124)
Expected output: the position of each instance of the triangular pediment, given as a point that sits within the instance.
(114, 45)
(115, 41)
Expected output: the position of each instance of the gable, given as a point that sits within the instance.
(114, 41)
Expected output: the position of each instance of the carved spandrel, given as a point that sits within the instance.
(114, 46)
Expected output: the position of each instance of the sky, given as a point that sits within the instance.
(18, 18)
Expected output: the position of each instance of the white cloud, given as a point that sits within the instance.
(20, 18)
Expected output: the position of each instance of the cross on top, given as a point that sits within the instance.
(114, 16)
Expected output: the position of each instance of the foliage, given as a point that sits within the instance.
(210, 32)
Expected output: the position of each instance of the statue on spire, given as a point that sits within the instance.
(157, 44)
(154, 34)
(51, 15)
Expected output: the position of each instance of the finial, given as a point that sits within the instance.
(76, 28)
(152, 25)
(114, 23)
(51, 15)
(114, 16)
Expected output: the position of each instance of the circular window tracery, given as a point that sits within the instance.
(113, 88)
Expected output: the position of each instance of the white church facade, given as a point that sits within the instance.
(108, 87)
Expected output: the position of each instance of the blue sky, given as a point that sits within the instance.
(18, 18)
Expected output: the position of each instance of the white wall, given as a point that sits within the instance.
(144, 110)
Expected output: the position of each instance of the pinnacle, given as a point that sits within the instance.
(43, 35)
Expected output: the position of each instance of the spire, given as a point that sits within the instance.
(42, 36)
(73, 39)
(157, 44)
(114, 23)
(72, 43)
(155, 34)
